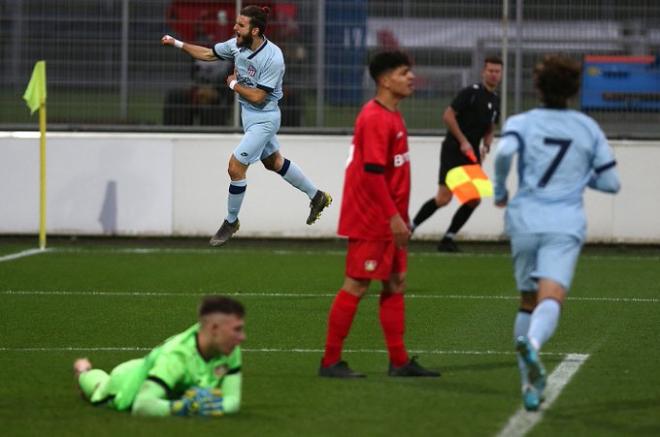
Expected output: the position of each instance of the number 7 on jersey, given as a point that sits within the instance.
(563, 147)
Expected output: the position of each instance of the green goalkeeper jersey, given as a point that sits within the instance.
(176, 365)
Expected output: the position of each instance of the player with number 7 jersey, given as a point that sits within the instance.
(560, 153)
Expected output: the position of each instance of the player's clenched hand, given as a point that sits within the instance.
(466, 149)
(230, 78)
(198, 401)
(167, 40)
(400, 231)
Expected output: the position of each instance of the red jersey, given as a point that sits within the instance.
(377, 180)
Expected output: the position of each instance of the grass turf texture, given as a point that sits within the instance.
(614, 393)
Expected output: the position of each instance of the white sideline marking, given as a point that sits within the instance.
(308, 294)
(522, 421)
(22, 254)
(215, 251)
(276, 350)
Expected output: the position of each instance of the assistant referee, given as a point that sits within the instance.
(470, 118)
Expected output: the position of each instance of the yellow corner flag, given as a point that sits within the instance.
(35, 94)
(469, 182)
(35, 97)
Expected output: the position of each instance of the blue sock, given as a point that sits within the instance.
(544, 322)
(294, 175)
(520, 328)
(235, 199)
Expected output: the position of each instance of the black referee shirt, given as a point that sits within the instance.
(476, 109)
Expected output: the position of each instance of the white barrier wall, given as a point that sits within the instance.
(96, 184)
(176, 184)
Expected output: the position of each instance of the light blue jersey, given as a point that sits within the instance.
(560, 152)
(262, 68)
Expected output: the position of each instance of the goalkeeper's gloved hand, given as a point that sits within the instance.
(211, 404)
(198, 401)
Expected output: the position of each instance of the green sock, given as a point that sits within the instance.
(89, 381)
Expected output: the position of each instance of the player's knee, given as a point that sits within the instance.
(528, 300)
(236, 170)
(549, 289)
(274, 162)
(356, 287)
(442, 199)
(396, 284)
(474, 203)
(357, 291)
(234, 174)
(269, 164)
(443, 196)
(394, 287)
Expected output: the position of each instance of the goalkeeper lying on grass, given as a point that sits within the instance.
(194, 373)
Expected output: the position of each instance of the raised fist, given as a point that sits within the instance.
(167, 40)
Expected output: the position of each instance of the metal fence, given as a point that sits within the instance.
(107, 70)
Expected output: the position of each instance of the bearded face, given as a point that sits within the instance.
(243, 31)
(244, 40)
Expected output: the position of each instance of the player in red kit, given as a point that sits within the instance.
(374, 217)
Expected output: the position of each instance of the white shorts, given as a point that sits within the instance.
(547, 256)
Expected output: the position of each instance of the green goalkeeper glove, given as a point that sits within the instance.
(198, 401)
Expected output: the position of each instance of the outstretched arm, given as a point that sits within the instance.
(197, 401)
(151, 400)
(197, 52)
(231, 393)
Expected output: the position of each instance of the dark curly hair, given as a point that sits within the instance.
(387, 61)
(258, 16)
(557, 78)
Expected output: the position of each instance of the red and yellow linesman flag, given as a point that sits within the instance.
(469, 182)
(35, 97)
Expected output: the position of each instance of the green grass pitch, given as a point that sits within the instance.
(105, 300)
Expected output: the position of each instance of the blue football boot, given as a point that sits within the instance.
(536, 372)
(531, 399)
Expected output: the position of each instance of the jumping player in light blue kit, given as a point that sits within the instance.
(560, 153)
(257, 79)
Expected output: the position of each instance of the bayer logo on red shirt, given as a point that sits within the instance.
(401, 159)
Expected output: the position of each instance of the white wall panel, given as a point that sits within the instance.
(164, 184)
(96, 184)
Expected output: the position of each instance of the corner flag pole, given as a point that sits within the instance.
(42, 176)
(35, 98)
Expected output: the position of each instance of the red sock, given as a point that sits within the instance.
(340, 318)
(393, 320)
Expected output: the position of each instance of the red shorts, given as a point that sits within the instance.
(369, 259)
